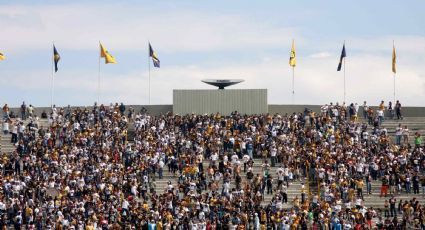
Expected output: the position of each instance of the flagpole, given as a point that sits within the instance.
(344, 80)
(293, 84)
(98, 81)
(53, 80)
(394, 73)
(149, 70)
(394, 90)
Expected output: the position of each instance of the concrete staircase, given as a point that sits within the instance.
(374, 200)
(6, 146)
(414, 124)
(293, 190)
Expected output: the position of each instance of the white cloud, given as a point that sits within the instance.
(321, 55)
(77, 26)
(368, 77)
(124, 28)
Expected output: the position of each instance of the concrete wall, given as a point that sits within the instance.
(151, 109)
(245, 101)
(289, 109)
(282, 109)
(272, 109)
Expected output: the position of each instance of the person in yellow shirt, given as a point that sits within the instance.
(360, 184)
(89, 226)
(159, 225)
(263, 217)
(28, 214)
(382, 106)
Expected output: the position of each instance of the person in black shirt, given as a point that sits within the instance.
(415, 180)
(398, 110)
(393, 211)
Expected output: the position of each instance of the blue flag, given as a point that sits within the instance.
(343, 55)
(56, 58)
(154, 57)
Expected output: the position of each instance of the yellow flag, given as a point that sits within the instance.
(394, 60)
(105, 54)
(110, 59)
(292, 60)
(102, 51)
(2, 57)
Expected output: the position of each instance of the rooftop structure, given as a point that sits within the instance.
(221, 83)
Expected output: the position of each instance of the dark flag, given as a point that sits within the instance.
(56, 58)
(154, 57)
(343, 55)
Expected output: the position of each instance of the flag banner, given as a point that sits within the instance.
(109, 59)
(343, 55)
(154, 57)
(56, 58)
(292, 60)
(2, 57)
(394, 69)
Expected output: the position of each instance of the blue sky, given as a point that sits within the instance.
(205, 39)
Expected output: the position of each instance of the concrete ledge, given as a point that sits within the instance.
(289, 109)
(272, 109)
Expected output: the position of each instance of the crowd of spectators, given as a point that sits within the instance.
(98, 168)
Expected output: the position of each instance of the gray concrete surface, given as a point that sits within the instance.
(272, 109)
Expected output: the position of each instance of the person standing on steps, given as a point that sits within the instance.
(23, 111)
(6, 126)
(122, 108)
(398, 134)
(405, 135)
(393, 211)
(30, 111)
(398, 110)
(380, 113)
(418, 141)
(390, 110)
(14, 132)
(365, 110)
(6, 111)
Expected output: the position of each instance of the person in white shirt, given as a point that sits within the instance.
(245, 159)
(380, 116)
(405, 135)
(398, 133)
(214, 157)
(5, 127)
(160, 168)
(234, 158)
(125, 204)
(14, 133)
(30, 111)
(365, 109)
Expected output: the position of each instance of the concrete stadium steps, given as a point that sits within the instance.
(407, 121)
(6, 145)
(374, 198)
(378, 202)
(414, 124)
(293, 190)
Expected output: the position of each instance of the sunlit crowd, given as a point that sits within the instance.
(101, 168)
